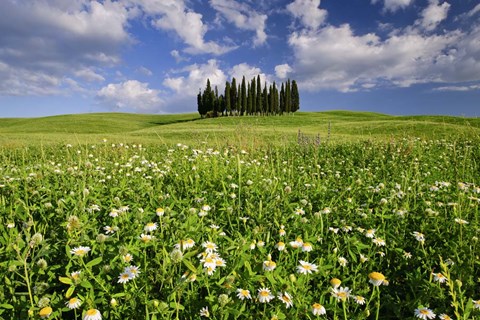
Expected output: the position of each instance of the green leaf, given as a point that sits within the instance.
(65, 280)
(86, 284)
(6, 306)
(94, 262)
(70, 292)
(176, 306)
(189, 265)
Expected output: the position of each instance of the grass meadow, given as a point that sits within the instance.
(360, 216)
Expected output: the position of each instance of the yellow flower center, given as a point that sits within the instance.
(335, 282)
(317, 306)
(424, 311)
(72, 301)
(376, 276)
(45, 311)
(91, 312)
(264, 293)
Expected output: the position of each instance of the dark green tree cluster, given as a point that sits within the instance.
(249, 98)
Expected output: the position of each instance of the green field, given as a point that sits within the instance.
(121, 216)
(249, 131)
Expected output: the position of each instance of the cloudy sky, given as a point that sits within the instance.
(152, 56)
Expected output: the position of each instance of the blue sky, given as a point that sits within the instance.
(152, 56)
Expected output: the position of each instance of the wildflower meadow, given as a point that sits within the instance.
(364, 230)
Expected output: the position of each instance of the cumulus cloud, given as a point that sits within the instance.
(433, 14)
(474, 11)
(308, 12)
(282, 71)
(130, 95)
(334, 57)
(55, 40)
(243, 17)
(195, 77)
(174, 15)
(394, 5)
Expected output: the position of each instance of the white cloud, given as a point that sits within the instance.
(336, 58)
(474, 11)
(177, 56)
(196, 78)
(89, 75)
(244, 69)
(57, 40)
(243, 17)
(458, 88)
(308, 12)
(394, 5)
(433, 14)
(173, 15)
(145, 71)
(282, 71)
(130, 94)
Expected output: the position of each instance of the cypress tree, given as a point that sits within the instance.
(259, 95)
(295, 97)
(282, 99)
(233, 95)
(249, 99)
(216, 105)
(253, 88)
(265, 99)
(200, 103)
(288, 97)
(228, 102)
(239, 99)
(244, 96)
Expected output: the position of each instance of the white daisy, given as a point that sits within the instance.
(204, 312)
(341, 293)
(424, 313)
(306, 267)
(92, 314)
(80, 251)
(243, 294)
(307, 247)
(318, 309)
(151, 226)
(286, 298)
(209, 246)
(124, 277)
(280, 246)
(146, 237)
(264, 295)
(134, 271)
(439, 277)
(73, 303)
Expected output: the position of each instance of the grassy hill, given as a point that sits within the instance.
(189, 128)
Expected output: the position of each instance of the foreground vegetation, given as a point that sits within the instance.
(355, 216)
(365, 230)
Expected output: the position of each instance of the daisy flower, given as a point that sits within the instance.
(134, 271)
(243, 294)
(476, 304)
(297, 243)
(124, 277)
(208, 261)
(307, 247)
(146, 237)
(45, 312)
(280, 246)
(318, 309)
(461, 221)
(73, 303)
(286, 298)
(269, 265)
(206, 207)
(127, 258)
(160, 212)
(370, 233)
(109, 230)
(220, 262)
(335, 282)
(185, 244)
(443, 316)
(363, 259)
(419, 236)
(424, 313)
(92, 314)
(376, 278)
(204, 312)
(299, 212)
(282, 231)
(151, 226)
(379, 242)
(341, 293)
(264, 295)
(80, 251)
(439, 277)
(359, 300)
(306, 267)
(209, 246)
(260, 243)
(75, 275)
(342, 261)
